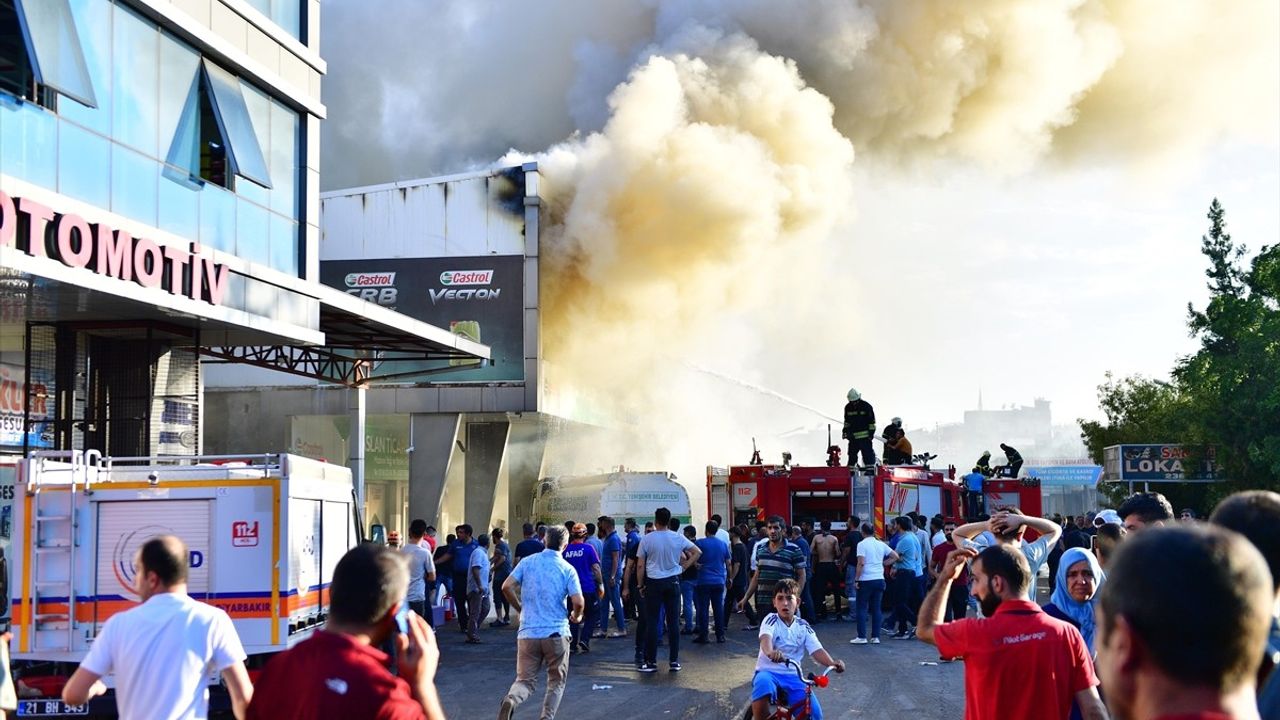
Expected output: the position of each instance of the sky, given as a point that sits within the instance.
(921, 199)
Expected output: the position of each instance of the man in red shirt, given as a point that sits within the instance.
(338, 672)
(1182, 616)
(958, 601)
(1019, 662)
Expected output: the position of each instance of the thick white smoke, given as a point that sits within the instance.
(700, 152)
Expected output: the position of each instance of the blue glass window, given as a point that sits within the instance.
(133, 184)
(258, 106)
(184, 151)
(285, 13)
(284, 155)
(29, 137)
(54, 47)
(284, 245)
(136, 67)
(84, 164)
(179, 207)
(217, 218)
(94, 21)
(237, 128)
(253, 241)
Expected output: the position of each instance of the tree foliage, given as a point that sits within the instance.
(1227, 393)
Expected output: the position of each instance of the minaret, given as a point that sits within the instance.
(979, 398)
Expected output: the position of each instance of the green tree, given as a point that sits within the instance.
(1226, 394)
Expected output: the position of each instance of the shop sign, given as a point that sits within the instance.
(13, 397)
(40, 231)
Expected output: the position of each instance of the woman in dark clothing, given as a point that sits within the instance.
(1080, 577)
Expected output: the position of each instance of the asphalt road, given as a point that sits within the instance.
(898, 678)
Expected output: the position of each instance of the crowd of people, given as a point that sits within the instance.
(1147, 616)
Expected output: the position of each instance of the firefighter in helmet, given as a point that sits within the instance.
(984, 464)
(859, 428)
(1014, 462)
(890, 436)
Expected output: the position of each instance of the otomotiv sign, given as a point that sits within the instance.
(39, 231)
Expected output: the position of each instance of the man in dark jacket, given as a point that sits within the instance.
(859, 427)
(1014, 464)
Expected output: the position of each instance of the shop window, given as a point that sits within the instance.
(40, 51)
(215, 140)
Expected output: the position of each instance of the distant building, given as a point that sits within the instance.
(1030, 429)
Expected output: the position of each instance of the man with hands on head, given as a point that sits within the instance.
(1009, 526)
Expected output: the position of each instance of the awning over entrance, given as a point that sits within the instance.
(364, 343)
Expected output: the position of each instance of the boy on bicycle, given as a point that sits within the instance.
(783, 636)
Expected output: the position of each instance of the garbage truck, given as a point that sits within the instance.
(623, 494)
(263, 533)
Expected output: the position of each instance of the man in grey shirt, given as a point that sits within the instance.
(663, 556)
(478, 598)
(422, 571)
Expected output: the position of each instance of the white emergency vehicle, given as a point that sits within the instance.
(264, 534)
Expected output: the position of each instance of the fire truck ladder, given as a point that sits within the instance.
(54, 546)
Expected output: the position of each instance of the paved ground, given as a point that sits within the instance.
(888, 680)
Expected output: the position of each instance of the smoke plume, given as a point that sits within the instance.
(697, 154)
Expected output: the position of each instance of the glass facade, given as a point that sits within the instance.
(143, 151)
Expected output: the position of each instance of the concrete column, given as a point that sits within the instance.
(431, 435)
(355, 439)
(486, 441)
(526, 447)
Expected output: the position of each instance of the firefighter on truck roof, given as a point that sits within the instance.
(859, 427)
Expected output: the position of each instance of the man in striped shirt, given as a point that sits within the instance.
(775, 561)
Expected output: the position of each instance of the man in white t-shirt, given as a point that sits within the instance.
(422, 571)
(161, 651)
(873, 556)
(663, 555)
(783, 636)
(1008, 527)
(721, 532)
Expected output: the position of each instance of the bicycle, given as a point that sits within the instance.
(783, 709)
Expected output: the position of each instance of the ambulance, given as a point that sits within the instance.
(263, 533)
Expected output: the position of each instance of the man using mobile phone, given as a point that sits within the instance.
(338, 671)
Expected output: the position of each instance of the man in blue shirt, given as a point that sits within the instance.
(630, 549)
(611, 566)
(905, 586)
(713, 575)
(459, 555)
(973, 505)
(538, 588)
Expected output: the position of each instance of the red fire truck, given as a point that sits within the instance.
(746, 493)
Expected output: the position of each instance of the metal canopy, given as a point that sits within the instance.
(364, 343)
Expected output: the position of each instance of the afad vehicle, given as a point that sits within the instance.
(264, 534)
(797, 493)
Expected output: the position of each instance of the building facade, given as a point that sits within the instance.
(159, 212)
(159, 166)
(467, 441)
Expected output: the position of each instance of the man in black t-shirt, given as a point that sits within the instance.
(849, 561)
(531, 545)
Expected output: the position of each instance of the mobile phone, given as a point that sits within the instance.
(1093, 542)
(402, 618)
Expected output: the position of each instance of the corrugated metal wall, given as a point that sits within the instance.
(479, 215)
